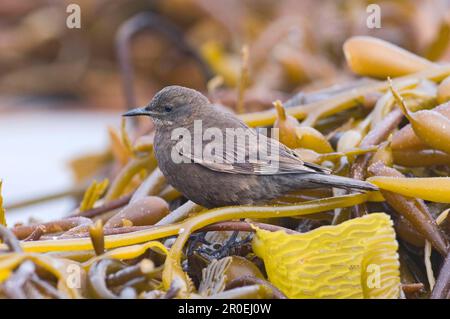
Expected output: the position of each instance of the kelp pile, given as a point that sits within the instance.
(134, 236)
(292, 44)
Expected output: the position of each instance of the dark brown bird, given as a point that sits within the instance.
(224, 178)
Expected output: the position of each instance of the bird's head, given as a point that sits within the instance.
(172, 105)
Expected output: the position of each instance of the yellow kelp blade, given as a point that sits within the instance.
(120, 151)
(435, 189)
(374, 57)
(2, 210)
(355, 259)
(68, 273)
(92, 194)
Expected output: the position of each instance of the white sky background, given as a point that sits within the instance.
(35, 147)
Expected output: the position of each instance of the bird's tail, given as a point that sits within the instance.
(338, 181)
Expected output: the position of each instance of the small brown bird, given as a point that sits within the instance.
(237, 177)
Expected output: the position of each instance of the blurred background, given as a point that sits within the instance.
(61, 88)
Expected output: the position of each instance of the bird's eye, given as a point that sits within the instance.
(168, 108)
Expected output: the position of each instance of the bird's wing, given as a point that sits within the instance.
(267, 157)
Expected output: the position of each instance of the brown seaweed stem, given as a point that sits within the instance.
(56, 226)
(149, 20)
(124, 275)
(251, 280)
(106, 207)
(441, 289)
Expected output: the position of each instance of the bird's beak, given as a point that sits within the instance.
(140, 111)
